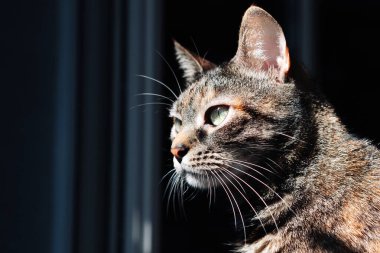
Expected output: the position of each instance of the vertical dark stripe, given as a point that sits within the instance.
(132, 181)
(307, 36)
(141, 184)
(116, 145)
(65, 130)
(152, 130)
(301, 32)
(94, 127)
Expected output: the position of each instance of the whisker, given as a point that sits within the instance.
(167, 174)
(171, 69)
(235, 180)
(169, 184)
(270, 166)
(214, 187)
(192, 195)
(291, 137)
(153, 103)
(172, 181)
(157, 81)
(249, 203)
(244, 163)
(156, 95)
(204, 56)
(274, 163)
(236, 203)
(267, 186)
(257, 194)
(196, 48)
(186, 190)
(209, 190)
(177, 183)
(253, 164)
(228, 196)
(181, 200)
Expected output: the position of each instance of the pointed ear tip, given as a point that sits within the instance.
(177, 46)
(254, 9)
(178, 49)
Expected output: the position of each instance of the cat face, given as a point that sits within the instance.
(233, 120)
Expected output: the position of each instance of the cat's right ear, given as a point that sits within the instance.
(191, 64)
(262, 44)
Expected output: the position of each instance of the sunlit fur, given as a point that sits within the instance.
(309, 185)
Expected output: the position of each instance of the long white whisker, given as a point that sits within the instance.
(175, 197)
(157, 81)
(156, 95)
(237, 205)
(167, 174)
(209, 190)
(181, 200)
(249, 203)
(291, 137)
(228, 196)
(169, 184)
(234, 179)
(246, 166)
(171, 69)
(213, 187)
(267, 186)
(153, 103)
(172, 182)
(244, 163)
(274, 163)
(258, 195)
(270, 166)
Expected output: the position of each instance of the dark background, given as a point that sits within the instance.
(80, 169)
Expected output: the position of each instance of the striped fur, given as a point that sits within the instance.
(311, 184)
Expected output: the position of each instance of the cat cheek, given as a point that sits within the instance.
(173, 133)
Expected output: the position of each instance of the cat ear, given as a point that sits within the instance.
(191, 64)
(262, 44)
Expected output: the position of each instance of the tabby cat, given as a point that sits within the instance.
(279, 152)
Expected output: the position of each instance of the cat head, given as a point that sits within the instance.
(236, 119)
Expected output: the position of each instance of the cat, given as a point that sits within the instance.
(280, 153)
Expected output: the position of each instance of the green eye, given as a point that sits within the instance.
(177, 124)
(217, 114)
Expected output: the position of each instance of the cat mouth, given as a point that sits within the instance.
(196, 178)
(193, 173)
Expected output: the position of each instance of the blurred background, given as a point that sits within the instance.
(82, 154)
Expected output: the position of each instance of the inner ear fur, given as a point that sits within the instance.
(262, 44)
(191, 64)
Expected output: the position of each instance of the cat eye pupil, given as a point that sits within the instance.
(216, 115)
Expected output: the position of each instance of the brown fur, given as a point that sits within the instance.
(325, 194)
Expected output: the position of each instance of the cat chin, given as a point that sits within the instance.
(193, 177)
(196, 182)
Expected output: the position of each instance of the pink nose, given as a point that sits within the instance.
(179, 152)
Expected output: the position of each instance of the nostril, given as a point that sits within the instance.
(179, 152)
(182, 152)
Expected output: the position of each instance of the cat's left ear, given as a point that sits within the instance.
(262, 44)
(191, 64)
